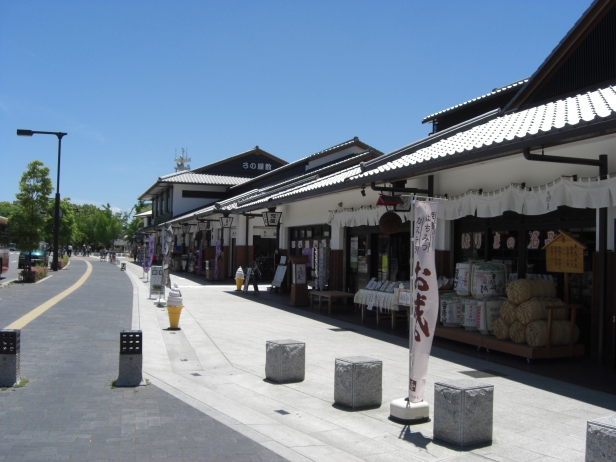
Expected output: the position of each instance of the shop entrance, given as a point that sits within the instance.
(265, 250)
(372, 254)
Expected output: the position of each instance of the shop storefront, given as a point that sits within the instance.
(518, 242)
(373, 254)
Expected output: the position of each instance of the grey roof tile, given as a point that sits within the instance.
(200, 178)
(518, 84)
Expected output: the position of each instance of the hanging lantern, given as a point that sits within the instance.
(390, 222)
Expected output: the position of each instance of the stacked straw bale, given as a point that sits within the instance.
(535, 309)
(517, 332)
(523, 290)
(508, 312)
(501, 329)
(537, 333)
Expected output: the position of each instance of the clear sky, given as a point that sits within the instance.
(132, 82)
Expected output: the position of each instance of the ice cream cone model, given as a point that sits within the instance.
(174, 307)
(239, 278)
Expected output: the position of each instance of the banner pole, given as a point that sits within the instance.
(403, 410)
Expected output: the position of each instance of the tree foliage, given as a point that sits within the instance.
(6, 208)
(26, 220)
(108, 226)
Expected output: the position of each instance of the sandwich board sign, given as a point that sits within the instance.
(156, 280)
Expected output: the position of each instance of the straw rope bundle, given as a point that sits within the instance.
(537, 333)
(517, 332)
(501, 329)
(523, 290)
(508, 312)
(534, 310)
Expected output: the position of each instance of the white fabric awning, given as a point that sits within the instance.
(584, 193)
(364, 216)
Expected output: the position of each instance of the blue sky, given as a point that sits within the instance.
(132, 82)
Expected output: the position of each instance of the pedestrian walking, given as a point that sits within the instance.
(69, 249)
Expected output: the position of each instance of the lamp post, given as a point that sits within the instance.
(56, 223)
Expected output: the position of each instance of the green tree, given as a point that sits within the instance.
(85, 224)
(26, 220)
(107, 226)
(6, 208)
(68, 227)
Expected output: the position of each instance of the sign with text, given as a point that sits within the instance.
(271, 218)
(564, 254)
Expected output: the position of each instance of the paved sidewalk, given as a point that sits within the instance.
(216, 364)
(68, 409)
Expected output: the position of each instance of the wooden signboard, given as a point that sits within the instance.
(564, 254)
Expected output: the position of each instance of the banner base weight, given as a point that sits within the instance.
(402, 411)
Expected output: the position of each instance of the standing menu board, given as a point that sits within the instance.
(156, 280)
(279, 276)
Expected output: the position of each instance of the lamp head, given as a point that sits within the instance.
(21, 132)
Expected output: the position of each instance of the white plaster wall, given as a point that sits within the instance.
(184, 204)
(495, 174)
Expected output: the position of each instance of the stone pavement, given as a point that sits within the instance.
(208, 400)
(68, 409)
(216, 363)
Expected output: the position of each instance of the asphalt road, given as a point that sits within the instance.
(11, 274)
(69, 410)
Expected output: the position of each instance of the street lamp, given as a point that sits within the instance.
(56, 223)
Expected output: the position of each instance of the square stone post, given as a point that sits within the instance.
(9, 357)
(131, 359)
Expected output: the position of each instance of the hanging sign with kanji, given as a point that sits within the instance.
(564, 254)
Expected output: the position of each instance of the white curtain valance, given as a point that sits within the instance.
(584, 193)
(363, 216)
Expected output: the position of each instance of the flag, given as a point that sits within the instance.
(424, 304)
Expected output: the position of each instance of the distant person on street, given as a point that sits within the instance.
(69, 250)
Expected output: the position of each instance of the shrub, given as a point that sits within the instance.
(35, 274)
(62, 261)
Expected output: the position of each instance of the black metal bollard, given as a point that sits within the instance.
(9, 357)
(131, 359)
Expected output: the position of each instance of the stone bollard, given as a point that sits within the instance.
(601, 439)
(131, 359)
(463, 412)
(358, 382)
(9, 357)
(285, 360)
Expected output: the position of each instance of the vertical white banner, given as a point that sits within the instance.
(424, 304)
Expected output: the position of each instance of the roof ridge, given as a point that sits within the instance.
(493, 92)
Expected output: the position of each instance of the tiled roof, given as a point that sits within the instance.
(533, 122)
(200, 178)
(524, 125)
(496, 91)
(314, 156)
(303, 183)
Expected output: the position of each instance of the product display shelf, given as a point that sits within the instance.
(490, 342)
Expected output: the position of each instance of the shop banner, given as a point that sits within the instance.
(425, 297)
(200, 259)
(147, 252)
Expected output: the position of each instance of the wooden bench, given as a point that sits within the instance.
(328, 295)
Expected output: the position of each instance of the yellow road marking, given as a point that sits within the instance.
(39, 310)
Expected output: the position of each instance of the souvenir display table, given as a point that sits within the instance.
(328, 295)
(383, 303)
